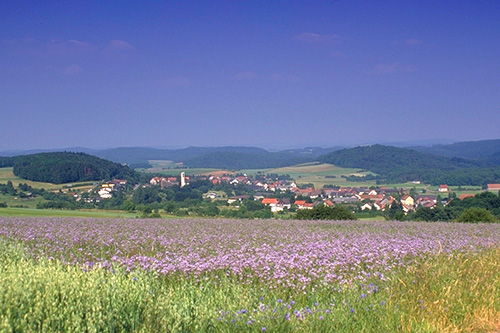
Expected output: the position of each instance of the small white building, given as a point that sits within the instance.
(443, 188)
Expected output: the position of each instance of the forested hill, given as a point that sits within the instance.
(66, 167)
(393, 164)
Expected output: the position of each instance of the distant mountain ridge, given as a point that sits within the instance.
(135, 155)
(459, 163)
(230, 157)
(387, 163)
(475, 150)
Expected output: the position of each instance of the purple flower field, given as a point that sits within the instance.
(278, 252)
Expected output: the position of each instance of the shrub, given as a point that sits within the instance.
(322, 212)
(476, 214)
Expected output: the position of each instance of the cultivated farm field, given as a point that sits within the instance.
(81, 274)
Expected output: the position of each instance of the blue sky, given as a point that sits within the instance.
(256, 73)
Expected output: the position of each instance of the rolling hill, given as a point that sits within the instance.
(393, 164)
(65, 167)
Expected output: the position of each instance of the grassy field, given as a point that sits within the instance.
(319, 174)
(20, 202)
(442, 290)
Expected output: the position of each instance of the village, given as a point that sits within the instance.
(270, 192)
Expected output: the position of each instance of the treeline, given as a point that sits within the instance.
(6, 162)
(66, 167)
(394, 165)
(322, 212)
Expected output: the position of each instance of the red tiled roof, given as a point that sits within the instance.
(329, 203)
(269, 201)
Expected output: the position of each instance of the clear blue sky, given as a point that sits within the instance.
(258, 73)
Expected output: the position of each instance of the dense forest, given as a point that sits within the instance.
(392, 165)
(66, 167)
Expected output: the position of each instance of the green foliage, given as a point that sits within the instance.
(476, 214)
(128, 206)
(322, 212)
(8, 189)
(438, 213)
(146, 195)
(395, 211)
(253, 205)
(64, 167)
(7, 161)
(487, 200)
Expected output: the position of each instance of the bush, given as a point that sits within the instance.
(322, 212)
(476, 215)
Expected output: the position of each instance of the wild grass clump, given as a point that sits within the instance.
(446, 292)
(457, 292)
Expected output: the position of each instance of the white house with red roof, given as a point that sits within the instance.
(443, 188)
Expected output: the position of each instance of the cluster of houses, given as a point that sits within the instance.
(370, 199)
(182, 181)
(367, 199)
(262, 184)
(267, 188)
(107, 188)
(307, 198)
